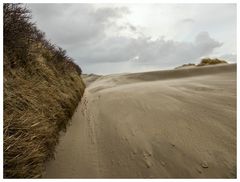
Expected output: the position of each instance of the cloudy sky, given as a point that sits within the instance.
(115, 38)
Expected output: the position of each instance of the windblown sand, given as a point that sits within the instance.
(165, 124)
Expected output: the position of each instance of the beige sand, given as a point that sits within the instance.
(166, 124)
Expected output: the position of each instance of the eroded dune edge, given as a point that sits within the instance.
(42, 88)
(165, 124)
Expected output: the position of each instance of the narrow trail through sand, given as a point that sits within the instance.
(144, 126)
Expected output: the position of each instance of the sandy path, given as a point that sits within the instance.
(153, 125)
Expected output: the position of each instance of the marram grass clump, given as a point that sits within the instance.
(209, 61)
(204, 62)
(42, 88)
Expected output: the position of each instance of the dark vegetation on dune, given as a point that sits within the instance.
(205, 62)
(209, 61)
(186, 65)
(42, 88)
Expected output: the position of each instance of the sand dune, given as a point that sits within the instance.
(165, 124)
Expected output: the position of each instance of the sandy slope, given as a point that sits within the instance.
(178, 123)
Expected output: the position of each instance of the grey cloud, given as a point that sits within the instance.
(74, 24)
(104, 14)
(81, 30)
(205, 44)
(172, 52)
(130, 27)
(187, 20)
(158, 52)
(133, 28)
(114, 49)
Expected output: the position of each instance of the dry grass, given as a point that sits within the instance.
(40, 96)
(36, 107)
(185, 65)
(209, 61)
(204, 62)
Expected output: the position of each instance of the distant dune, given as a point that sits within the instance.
(89, 78)
(161, 124)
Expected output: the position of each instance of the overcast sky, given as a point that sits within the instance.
(115, 38)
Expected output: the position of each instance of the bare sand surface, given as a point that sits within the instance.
(162, 124)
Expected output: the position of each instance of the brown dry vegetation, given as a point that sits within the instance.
(205, 62)
(185, 65)
(209, 61)
(42, 88)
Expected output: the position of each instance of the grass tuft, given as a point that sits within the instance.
(209, 61)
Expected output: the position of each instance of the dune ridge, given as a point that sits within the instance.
(162, 124)
(177, 74)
